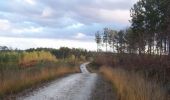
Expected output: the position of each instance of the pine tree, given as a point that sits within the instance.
(98, 40)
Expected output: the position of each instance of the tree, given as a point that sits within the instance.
(148, 21)
(120, 39)
(138, 25)
(4, 48)
(130, 41)
(106, 37)
(98, 40)
(149, 31)
(111, 40)
(168, 22)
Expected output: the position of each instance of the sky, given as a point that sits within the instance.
(59, 23)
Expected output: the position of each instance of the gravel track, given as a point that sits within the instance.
(74, 87)
(81, 86)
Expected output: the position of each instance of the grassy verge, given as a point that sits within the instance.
(132, 86)
(19, 80)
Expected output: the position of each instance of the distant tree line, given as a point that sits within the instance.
(65, 52)
(29, 57)
(149, 32)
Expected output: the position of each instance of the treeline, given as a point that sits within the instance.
(24, 58)
(9, 57)
(66, 53)
(149, 32)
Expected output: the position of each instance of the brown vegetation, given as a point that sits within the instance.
(131, 86)
(152, 66)
(129, 69)
(25, 79)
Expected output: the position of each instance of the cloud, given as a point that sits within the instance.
(31, 2)
(47, 12)
(62, 19)
(52, 13)
(80, 36)
(75, 26)
(119, 16)
(27, 30)
(4, 25)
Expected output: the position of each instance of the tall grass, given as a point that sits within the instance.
(132, 86)
(25, 79)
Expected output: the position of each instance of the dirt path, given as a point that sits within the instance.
(81, 86)
(73, 87)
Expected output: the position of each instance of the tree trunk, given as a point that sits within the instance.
(113, 47)
(106, 46)
(169, 45)
(165, 46)
(139, 50)
(97, 47)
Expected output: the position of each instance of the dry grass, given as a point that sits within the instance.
(131, 86)
(23, 80)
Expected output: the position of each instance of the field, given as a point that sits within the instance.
(135, 77)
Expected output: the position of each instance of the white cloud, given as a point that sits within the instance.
(119, 16)
(103, 15)
(74, 26)
(4, 24)
(80, 36)
(31, 2)
(47, 12)
(27, 30)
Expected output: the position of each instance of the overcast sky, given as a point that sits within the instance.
(54, 23)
